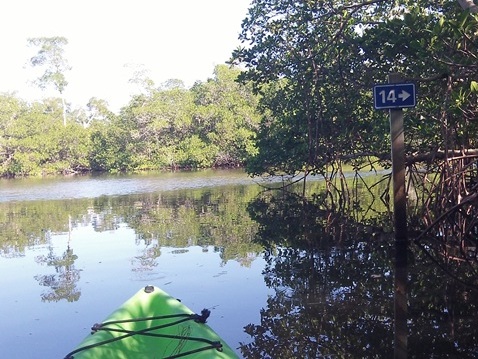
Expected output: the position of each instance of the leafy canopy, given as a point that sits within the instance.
(315, 63)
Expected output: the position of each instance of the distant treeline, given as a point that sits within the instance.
(211, 124)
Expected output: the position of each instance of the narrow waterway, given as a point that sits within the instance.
(282, 276)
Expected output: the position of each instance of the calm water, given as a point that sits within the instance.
(73, 249)
(31, 189)
(283, 277)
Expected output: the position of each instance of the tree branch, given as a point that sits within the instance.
(441, 155)
(468, 5)
(421, 157)
(365, 3)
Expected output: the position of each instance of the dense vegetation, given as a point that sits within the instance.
(211, 124)
(315, 62)
(304, 105)
(304, 101)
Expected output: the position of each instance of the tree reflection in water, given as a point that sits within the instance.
(144, 264)
(333, 282)
(62, 284)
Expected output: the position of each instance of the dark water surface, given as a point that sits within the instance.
(283, 278)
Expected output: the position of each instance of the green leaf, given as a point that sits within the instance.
(441, 22)
(474, 86)
(462, 20)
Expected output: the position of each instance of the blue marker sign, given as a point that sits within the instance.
(394, 96)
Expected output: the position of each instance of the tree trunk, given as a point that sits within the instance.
(468, 5)
(64, 110)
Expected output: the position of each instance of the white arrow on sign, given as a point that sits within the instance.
(404, 95)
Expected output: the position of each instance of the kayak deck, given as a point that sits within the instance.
(152, 324)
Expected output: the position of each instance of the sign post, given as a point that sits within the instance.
(400, 219)
(395, 96)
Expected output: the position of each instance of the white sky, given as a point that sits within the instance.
(172, 39)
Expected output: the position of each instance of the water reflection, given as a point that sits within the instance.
(62, 284)
(332, 277)
(67, 263)
(208, 217)
(328, 267)
(331, 281)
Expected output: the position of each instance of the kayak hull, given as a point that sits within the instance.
(152, 324)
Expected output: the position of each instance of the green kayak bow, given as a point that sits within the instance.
(152, 324)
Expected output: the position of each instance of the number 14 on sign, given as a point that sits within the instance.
(394, 96)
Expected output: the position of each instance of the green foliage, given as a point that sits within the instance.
(226, 116)
(110, 149)
(50, 56)
(193, 152)
(310, 67)
(474, 86)
(34, 142)
(315, 64)
(172, 127)
(212, 124)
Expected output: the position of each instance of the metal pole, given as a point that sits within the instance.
(400, 222)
